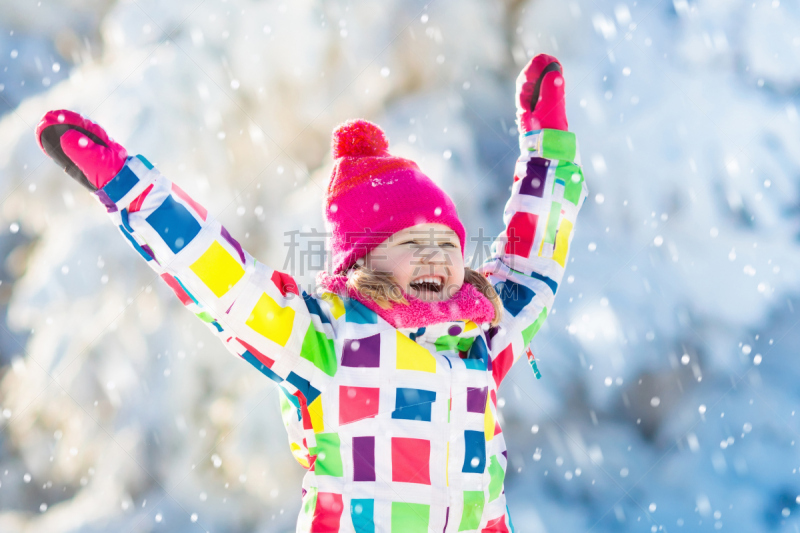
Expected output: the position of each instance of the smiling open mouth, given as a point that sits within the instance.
(428, 283)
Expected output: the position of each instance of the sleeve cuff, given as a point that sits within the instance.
(132, 179)
(550, 144)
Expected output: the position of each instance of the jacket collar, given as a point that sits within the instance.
(468, 305)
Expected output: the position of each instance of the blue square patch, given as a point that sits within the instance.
(250, 358)
(174, 223)
(474, 452)
(413, 404)
(358, 313)
(514, 296)
(304, 387)
(121, 184)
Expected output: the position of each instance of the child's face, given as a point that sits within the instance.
(425, 261)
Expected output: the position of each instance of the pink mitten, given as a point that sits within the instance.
(81, 147)
(540, 95)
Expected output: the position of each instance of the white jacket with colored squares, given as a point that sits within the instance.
(397, 427)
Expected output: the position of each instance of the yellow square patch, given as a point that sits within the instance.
(488, 420)
(412, 356)
(271, 320)
(337, 307)
(299, 454)
(315, 412)
(218, 269)
(562, 242)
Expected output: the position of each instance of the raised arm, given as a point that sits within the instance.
(260, 314)
(530, 255)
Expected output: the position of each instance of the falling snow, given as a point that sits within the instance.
(669, 377)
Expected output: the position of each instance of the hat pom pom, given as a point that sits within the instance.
(358, 138)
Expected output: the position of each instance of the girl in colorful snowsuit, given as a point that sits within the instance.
(390, 371)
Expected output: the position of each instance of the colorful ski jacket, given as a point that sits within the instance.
(397, 427)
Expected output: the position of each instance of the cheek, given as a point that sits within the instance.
(400, 264)
(409, 265)
(455, 260)
(457, 263)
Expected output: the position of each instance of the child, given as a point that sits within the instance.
(391, 370)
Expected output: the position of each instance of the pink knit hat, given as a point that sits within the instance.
(372, 195)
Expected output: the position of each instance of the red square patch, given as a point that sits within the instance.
(501, 364)
(357, 403)
(498, 525)
(520, 234)
(411, 460)
(328, 512)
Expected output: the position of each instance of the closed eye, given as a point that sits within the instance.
(417, 243)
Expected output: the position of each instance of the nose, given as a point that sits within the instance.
(436, 256)
(431, 255)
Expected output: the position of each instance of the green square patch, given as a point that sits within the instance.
(329, 456)
(205, 317)
(410, 517)
(572, 177)
(557, 144)
(529, 332)
(310, 503)
(473, 509)
(497, 475)
(318, 349)
(454, 343)
(552, 223)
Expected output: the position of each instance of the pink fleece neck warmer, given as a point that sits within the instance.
(372, 195)
(467, 303)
